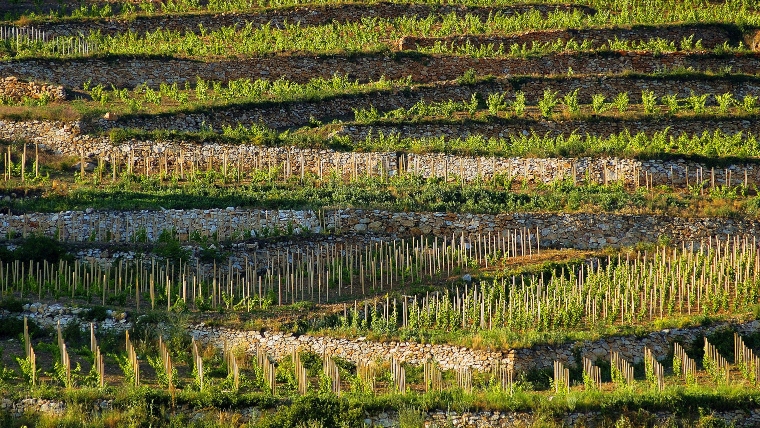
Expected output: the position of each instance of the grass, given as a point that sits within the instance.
(618, 12)
(403, 193)
(144, 406)
(347, 38)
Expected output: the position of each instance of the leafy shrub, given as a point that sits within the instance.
(725, 101)
(697, 102)
(468, 78)
(331, 412)
(11, 304)
(169, 247)
(548, 102)
(649, 100)
(519, 104)
(37, 248)
(13, 327)
(495, 103)
(750, 103)
(673, 103)
(598, 104)
(366, 116)
(621, 102)
(409, 417)
(95, 313)
(571, 101)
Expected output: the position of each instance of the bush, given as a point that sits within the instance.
(409, 417)
(468, 78)
(331, 411)
(547, 103)
(37, 248)
(10, 304)
(95, 313)
(14, 327)
(169, 247)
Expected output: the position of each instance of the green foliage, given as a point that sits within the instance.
(673, 103)
(11, 304)
(649, 101)
(126, 368)
(547, 103)
(37, 248)
(725, 101)
(571, 101)
(496, 103)
(12, 327)
(750, 103)
(27, 370)
(468, 78)
(366, 115)
(519, 104)
(94, 313)
(598, 104)
(697, 102)
(168, 247)
(409, 417)
(621, 102)
(329, 411)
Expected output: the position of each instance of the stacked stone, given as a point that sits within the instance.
(14, 90)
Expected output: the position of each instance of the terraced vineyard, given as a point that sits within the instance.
(374, 214)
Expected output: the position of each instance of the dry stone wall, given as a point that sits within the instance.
(518, 128)
(132, 71)
(68, 138)
(675, 173)
(296, 114)
(15, 90)
(582, 231)
(279, 345)
(497, 419)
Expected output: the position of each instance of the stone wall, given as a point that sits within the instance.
(123, 71)
(496, 419)
(582, 231)
(49, 315)
(279, 345)
(296, 114)
(15, 90)
(603, 128)
(17, 409)
(184, 157)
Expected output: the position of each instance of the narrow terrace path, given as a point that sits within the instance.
(301, 15)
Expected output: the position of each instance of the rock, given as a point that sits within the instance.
(88, 166)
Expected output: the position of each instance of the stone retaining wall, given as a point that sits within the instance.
(183, 157)
(126, 71)
(582, 231)
(280, 345)
(297, 114)
(496, 419)
(13, 89)
(603, 128)
(19, 408)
